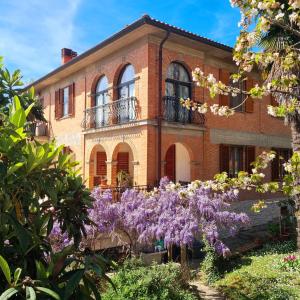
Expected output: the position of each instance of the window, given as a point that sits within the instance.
(101, 101)
(126, 90)
(240, 98)
(277, 169)
(65, 102)
(225, 100)
(126, 82)
(178, 85)
(234, 159)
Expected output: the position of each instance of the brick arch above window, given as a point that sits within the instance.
(184, 64)
(118, 73)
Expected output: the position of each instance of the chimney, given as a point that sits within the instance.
(67, 55)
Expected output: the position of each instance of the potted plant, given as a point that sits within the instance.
(124, 180)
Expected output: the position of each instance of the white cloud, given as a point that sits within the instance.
(225, 28)
(32, 32)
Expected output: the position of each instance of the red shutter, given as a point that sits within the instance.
(58, 107)
(123, 162)
(170, 167)
(72, 99)
(224, 158)
(101, 164)
(250, 158)
(249, 105)
(224, 76)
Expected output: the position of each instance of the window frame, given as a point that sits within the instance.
(63, 102)
(177, 83)
(228, 162)
(126, 84)
(242, 85)
(233, 150)
(102, 92)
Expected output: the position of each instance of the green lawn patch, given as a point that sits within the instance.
(272, 273)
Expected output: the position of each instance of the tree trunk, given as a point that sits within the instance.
(295, 130)
(170, 253)
(184, 262)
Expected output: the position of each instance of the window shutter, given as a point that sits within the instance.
(72, 99)
(224, 158)
(57, 107)
(224, 76)
(101, 169)
(170, 167)
(250, 157)
(123, 162)
(249, 105)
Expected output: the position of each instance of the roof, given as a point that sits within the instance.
(146, 19)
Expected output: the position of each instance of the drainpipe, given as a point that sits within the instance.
(84, 143)
(159, 99)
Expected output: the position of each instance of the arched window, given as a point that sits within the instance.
(126, 82)
(126, 91)
(101, 101)
(178, 85)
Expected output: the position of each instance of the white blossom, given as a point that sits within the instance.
(211, 78)
(279, 16)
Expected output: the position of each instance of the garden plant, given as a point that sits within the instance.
(40, 187)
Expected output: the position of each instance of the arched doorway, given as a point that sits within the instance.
(178, 166)
(98, 167)
(123, 158)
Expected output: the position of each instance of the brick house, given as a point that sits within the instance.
(116, 107)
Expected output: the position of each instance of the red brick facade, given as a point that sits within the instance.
(198, 155)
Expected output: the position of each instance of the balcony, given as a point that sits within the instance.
(38, 129)
(118, 112)
(173, 111)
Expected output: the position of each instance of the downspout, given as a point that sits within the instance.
(84, 143)
(159, 114)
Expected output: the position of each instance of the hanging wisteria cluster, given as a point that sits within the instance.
(171, 212)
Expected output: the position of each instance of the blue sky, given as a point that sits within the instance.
(32, 32)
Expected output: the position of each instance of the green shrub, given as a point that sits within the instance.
(212, 266)
(157, 282)
(263, 277)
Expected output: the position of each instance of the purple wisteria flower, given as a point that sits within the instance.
(171, 212)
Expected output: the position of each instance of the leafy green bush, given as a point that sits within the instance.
(262, 277)
(213, 265)
(39, 187)
(157, 282)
